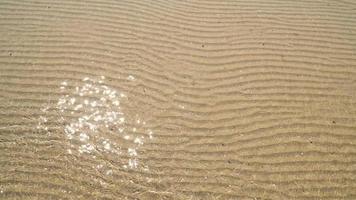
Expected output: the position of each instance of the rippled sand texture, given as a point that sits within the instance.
(168, 99)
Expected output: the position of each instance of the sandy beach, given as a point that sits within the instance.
(188, 100)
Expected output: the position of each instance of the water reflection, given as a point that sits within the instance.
(94, 121)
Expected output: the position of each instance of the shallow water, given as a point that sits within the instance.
(177, 99)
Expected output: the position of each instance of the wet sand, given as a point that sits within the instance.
(177, 99)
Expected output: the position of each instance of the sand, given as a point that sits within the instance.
(153, 99)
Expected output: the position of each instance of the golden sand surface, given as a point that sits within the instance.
(169, 99)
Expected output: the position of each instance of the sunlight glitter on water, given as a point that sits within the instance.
(92, 115)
